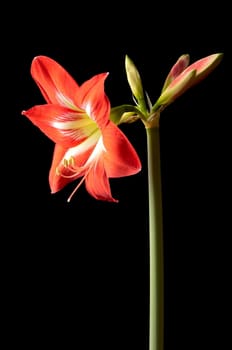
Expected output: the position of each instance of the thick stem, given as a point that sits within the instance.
(156, 298)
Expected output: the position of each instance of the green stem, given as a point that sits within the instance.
(156, 298)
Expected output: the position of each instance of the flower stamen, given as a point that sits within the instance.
(78, 185)
(69, 164)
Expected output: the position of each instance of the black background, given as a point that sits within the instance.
(76, 274)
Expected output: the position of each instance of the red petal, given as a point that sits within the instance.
(53, 80)
(120, 158)
(97, 182)
(92, 98)
(50, 118)
(80, 154)
(57, 182)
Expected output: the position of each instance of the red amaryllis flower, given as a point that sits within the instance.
(76, 118)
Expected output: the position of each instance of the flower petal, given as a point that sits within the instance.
(92, 98)
(120, 158)
(69, 164)
(97, 182)
(57, 182)
(54, 82)
(60, 124)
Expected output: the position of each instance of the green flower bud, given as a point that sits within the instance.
(134, 79)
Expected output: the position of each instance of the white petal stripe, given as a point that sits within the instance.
(91, 141)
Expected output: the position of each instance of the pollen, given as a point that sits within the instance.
(68, 169)
(72, 161)
(65, 163)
